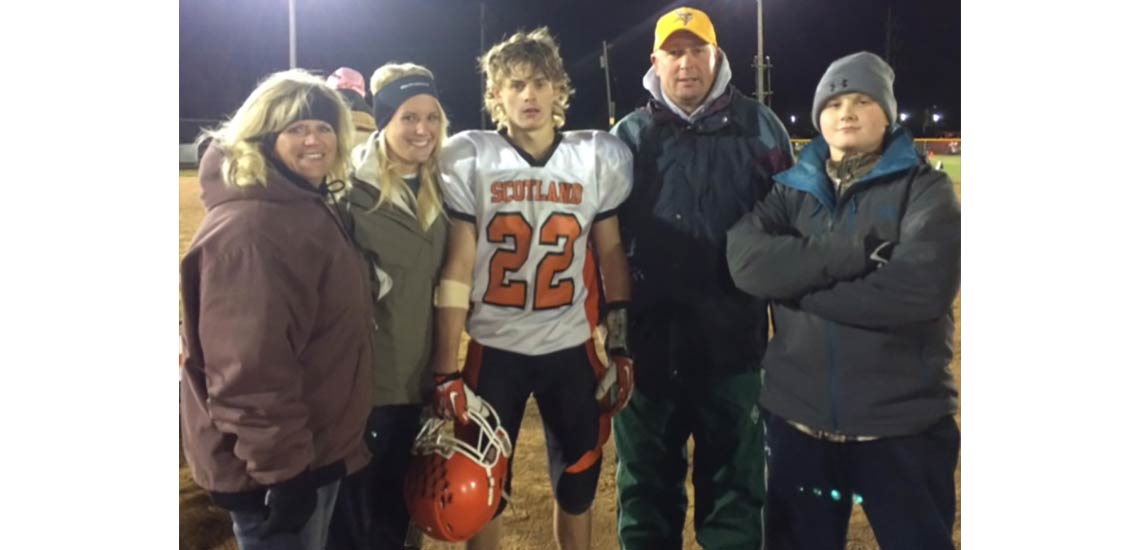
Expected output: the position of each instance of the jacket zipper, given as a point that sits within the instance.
(832, 376)
(829, 332)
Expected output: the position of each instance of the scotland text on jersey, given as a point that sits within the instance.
(531, 190)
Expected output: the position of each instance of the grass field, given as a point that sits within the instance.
(527, 523)
(952, 165)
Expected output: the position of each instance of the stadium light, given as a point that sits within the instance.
(793, 119)
(937, 117)
(904, 116)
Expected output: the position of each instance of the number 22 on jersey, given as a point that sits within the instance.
(549, 291)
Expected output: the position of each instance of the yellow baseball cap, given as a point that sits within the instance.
(684, 19)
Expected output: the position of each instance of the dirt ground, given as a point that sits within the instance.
(527, 523)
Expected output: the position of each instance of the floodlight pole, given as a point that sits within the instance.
(292, 34)
(760, 95)
(606, 65)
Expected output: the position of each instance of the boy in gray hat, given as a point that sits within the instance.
(858, 248)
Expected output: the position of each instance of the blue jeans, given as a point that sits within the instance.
(312, 537)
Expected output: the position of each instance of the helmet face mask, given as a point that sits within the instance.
(455, 481)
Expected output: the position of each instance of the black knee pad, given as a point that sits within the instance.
(575, 492)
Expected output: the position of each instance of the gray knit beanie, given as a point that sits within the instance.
(862, 72)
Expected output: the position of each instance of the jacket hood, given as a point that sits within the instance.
(366, 168)
(652, 84)
(809, 174)
(278, 187)
(365, 160)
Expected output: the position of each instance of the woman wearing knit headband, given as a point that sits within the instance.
(275, 383)
(393, 206)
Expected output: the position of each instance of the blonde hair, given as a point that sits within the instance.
(393, 188)
(277, 102)
(536, 49)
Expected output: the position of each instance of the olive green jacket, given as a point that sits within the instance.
(393, 239)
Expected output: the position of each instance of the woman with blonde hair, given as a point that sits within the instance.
(394, 209)
(277, 357)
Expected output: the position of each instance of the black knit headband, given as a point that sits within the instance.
(395, 93)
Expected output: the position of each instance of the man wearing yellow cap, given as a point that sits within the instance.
(704, 154)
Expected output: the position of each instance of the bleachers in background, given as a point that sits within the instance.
(188, 131)
(187, 155)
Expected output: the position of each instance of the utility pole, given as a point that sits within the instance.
(760, 65)
(605, 60)
(292, 34)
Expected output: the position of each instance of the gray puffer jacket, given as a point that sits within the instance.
(856, 350)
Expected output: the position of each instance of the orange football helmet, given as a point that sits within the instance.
(455, 482)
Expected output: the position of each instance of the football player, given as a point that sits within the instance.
(526, 203)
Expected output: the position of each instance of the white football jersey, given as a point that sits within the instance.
(534, 285)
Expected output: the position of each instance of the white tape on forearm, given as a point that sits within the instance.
(449, 293)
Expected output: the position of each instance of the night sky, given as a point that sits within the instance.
(227, 46)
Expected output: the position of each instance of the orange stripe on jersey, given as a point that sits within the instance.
(473, 364)
(593, 290)
(604, 427)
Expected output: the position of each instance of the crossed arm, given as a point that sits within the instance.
(829, 275)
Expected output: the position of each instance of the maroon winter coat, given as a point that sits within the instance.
(277, 369)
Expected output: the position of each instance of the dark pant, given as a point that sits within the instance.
(563, 384)
(370, 513)
(651, 436)
(311, 537)
(905, 485)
